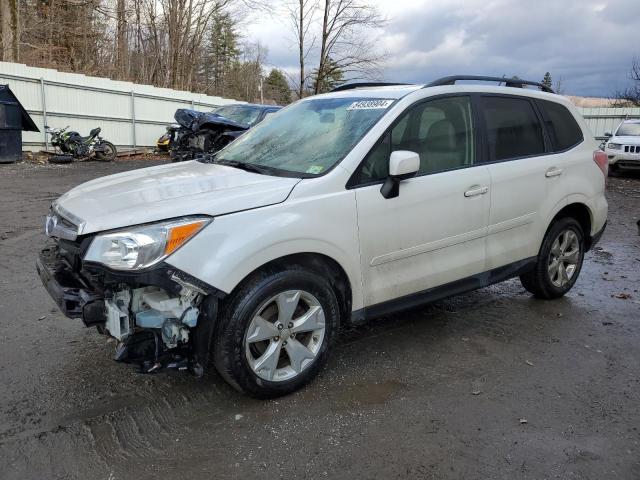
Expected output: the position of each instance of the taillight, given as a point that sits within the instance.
(602, 161)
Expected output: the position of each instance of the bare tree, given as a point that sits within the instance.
(345, 45)
(631, 94)
(10, 30)
(301, 15)
(183, 44)
(121, 39)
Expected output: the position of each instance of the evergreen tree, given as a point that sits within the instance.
(331, 77)
(223, 52)
(277, 88)
(546, 81)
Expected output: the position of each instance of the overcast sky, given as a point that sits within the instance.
(589, 43)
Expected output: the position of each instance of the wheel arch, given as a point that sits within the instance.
(320, 264)
(581, 213)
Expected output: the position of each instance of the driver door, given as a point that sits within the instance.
(434, 232)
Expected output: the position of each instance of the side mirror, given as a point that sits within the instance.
(608, 134)
(403, 164)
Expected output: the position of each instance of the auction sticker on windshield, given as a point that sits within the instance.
(370, 104)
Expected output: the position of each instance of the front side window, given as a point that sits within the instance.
(563, 129)
(307, 138)
(440, 131)
(513, 129)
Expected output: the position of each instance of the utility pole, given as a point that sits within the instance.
(261, 91)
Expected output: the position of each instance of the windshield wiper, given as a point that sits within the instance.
(249, 167)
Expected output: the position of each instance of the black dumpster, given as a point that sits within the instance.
(13, 120)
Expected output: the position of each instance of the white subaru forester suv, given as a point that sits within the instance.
(352, 204)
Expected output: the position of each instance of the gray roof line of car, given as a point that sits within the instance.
(450, 80)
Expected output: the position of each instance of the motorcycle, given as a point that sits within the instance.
(72, 145)
(163, 144)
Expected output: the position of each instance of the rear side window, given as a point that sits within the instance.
(562, 127)
(513, 128)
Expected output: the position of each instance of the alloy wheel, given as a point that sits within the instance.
(564, 258)
(285, 335)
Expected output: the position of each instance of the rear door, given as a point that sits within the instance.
(515, 154)
(568, 154)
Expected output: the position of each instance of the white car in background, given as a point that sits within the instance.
(623, 147)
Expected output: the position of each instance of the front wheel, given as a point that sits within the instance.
(274, 332)
(108, 153)
(559, 260)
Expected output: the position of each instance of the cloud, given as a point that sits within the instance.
(589, 43)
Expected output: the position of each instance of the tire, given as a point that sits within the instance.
(239, 352)
(109, 154)
(614, 170)
(545, 281)
(60, 159)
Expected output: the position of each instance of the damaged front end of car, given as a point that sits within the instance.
(159, 316)
(202, 133)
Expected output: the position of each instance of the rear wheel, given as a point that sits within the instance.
(559, 260)
(108, 153)
(274, 332)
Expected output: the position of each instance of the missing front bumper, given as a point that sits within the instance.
(92, 294)
(70, 292)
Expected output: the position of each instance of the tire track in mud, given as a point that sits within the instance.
(164, 415)
(146, 427)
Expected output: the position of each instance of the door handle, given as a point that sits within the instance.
(476, 191)
(553, 172)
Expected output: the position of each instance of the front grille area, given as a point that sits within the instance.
(632, 149)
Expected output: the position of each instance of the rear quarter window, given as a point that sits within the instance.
(562, 127)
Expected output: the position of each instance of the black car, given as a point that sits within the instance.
(200, 133)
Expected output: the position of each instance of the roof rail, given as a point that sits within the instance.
(509, 82)
(351, 86)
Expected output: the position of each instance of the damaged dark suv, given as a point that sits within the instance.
(201, 133)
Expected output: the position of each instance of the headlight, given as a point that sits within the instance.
(614, 146)
(141, 247)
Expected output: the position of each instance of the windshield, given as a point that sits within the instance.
(239, 113)
(629, 130)
(308, 137)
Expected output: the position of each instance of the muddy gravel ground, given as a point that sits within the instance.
(492, 384)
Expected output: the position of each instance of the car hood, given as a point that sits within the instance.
(194, 120)
(625, 140)
(168, 191)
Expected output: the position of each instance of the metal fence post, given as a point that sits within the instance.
(133, 118)
(43, 99)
